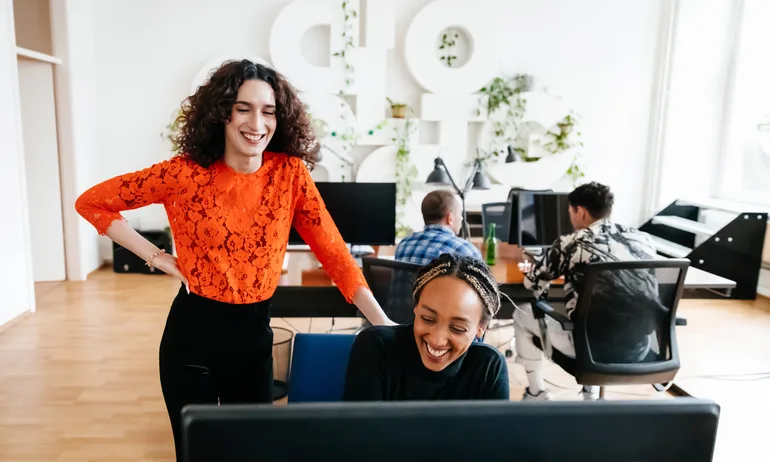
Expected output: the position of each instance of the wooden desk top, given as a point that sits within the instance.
(505, 271)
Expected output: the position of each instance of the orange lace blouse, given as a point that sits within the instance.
(231, 229)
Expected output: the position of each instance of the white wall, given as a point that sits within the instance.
(16, 269)
(75, 82)
(599, 55)
(41, 158)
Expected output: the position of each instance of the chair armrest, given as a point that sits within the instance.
(541, 308)
(681, 321)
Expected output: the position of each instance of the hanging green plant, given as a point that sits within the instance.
(504, 105)
(406, 172)
(566, 136)
(350, 15)
(447, 46)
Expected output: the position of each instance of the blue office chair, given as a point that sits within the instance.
(318, 367)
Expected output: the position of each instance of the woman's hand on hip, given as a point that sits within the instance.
(169, 264)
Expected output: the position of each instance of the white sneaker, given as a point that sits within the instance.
(544, 395)
(590, 393)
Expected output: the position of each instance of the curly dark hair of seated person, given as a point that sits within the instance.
(475, 272)
(201, 135)
(595, 197)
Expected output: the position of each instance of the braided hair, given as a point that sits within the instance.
(475, 272)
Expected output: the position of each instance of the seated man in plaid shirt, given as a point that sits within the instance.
(442, 214)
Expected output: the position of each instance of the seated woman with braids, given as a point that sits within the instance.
(435, 358)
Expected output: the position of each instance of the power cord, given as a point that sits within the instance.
(292, 325)
(743, 377)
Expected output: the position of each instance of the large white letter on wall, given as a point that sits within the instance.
(286, 34)
(472, 17)
(452, 96)
(372, 70)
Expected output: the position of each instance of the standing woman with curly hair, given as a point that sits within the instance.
(231, 196)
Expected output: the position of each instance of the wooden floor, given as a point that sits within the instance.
(80, 377)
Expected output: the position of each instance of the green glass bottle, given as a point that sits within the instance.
(490, 245)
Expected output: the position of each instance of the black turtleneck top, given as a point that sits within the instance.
(385, 365)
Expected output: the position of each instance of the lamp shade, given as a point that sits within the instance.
(480, 179)
(439, 174)
(512, 156)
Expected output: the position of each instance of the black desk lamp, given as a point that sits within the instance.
(513, 156)
(476, 180)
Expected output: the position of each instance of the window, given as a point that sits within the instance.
(745, 163)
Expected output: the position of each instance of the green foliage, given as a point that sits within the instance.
(172, 129)
(406, 172)
(504, 94)
(447, 45)
(351, 15)
(567, 137)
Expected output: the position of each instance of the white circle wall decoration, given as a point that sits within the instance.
(542, 112)
(205, 72)
(380, 165)
(331, 168)
(472, 18)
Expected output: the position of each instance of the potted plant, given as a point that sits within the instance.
(397, 110)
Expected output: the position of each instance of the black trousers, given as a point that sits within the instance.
(214, 352)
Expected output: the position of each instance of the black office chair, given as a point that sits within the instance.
(498, 213)
(624, 325)
(391, 283)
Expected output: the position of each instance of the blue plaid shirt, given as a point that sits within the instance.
(425, 246)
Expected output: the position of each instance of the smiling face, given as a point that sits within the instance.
(252, 121)
(447, 319)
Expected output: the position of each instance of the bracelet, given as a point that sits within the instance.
(149, 261)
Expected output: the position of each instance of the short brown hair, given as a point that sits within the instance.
(436, 205)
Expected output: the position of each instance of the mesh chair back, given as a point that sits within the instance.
(498, 213)
(626, 313)
(391, 283)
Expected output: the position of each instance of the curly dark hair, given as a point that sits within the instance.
(594, 197)
(201, 135)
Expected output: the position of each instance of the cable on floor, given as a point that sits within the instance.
(291, 325)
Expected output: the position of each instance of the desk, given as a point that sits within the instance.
(291, 299)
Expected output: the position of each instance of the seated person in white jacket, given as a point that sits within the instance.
(595, 239)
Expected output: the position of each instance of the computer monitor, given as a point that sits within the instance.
(538, 218)
(454, 431)
(365, 213)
